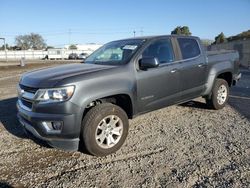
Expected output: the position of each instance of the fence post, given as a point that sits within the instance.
(22, 62)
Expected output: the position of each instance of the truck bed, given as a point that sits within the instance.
(222, 55)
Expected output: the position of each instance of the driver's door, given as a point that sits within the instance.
(160, 86)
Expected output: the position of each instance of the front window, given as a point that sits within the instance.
(115, 53)
(160, 49)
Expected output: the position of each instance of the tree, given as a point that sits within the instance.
(181, 31)
(242, 36)
(176, 31)
(31, 41)
(220, 38)
(3, 47)
(8, 47)
(22, 42)
(14, 48)
(72, 47)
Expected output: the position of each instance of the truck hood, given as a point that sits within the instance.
(49, 77)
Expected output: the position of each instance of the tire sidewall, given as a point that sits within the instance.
(217, 85)
(90, 126)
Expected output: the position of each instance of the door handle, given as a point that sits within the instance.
(173, 71)
(201, 65)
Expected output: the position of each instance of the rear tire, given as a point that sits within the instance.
(104, 129)
(219, 95)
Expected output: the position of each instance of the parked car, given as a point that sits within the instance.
(82, 56)
(92, 102)
(73, 56)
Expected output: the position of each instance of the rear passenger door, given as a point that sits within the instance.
(193, 68)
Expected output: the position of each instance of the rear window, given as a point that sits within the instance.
(189, 48)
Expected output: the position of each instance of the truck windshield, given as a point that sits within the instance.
(115, 53)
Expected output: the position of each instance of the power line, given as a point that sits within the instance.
(70, 32)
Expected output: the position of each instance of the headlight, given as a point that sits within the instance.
(55, 94)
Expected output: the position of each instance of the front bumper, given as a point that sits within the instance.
(67, 139)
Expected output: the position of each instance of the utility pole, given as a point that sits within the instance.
(69, 36)
(134, 32)
(141, 31)
(5, 50)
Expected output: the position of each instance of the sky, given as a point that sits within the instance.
(62, 22)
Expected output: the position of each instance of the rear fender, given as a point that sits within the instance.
(216, 69)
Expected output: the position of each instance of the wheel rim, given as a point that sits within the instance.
(222, 94)
(109, 131)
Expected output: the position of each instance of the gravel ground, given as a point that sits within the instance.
(180, 146)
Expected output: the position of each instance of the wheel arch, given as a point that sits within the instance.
(228, 76)
(222, 70)
(123, 100)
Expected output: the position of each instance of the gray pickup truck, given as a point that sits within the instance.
(88, 105)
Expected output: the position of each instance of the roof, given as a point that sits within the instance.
(157, 36)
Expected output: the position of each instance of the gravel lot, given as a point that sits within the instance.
(180, 146)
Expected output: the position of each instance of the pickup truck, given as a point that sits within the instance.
(88, 105)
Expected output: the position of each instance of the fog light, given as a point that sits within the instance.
(52, 126)
(56, 125)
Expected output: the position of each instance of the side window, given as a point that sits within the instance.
(161, 49)
(189, 47)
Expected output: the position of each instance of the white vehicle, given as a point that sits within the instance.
(57, 53)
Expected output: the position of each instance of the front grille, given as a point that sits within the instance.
(28, 89)
(26, 103)
(26, 97)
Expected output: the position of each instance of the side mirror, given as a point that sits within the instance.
(148, 62)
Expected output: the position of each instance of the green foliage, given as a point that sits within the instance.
(241, 36)
(9, 47)
(72, 47)
(220, 38)
(181, 31)
(31, 41)
(177, 31)
(2, 47)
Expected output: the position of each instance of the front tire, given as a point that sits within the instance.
(104, 129)
(219, 95)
